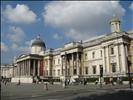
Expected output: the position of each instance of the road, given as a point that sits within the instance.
(12, 91)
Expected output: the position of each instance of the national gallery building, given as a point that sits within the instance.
(79, 60)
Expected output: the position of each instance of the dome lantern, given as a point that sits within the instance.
(115, 24)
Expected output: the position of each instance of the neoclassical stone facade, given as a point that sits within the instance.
(79, 60)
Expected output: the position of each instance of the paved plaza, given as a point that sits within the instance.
(11, 91)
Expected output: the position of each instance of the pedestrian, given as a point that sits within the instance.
(5, 81)
(85, 81)
(96, 82)
(64, 83)
(18, 82)
(46, 86)
(111, 80)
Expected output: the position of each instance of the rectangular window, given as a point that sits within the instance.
(75, 72)
(112, 50)
(58, 61)
(46, 72)
(114, 67)
(85, 55)
(94, 69)
(54, 61)
(58, 71)
(101, 53)
(64, 71)
(54, 72)
(86, 70)
(93, 54)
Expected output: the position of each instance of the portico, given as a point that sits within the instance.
(71, 61)
(29, 66)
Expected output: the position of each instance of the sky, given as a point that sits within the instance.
(57, 22)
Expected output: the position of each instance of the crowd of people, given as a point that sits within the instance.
(66, 82)
(5, 80)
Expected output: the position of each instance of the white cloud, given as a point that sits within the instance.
(24, 49)
(19, 14)
(16, 35)
(131, 6)
(57, 36)
(3, 47)
(19, 49)
(79, 19)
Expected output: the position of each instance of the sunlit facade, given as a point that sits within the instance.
(79, 60)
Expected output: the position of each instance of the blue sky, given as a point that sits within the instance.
(57, 22)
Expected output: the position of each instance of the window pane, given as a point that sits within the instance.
(114, 67)
(86, 70)
(94, 69)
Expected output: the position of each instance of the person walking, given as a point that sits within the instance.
(46, 86)
(85, 81)
(18, 82)
(111, 80)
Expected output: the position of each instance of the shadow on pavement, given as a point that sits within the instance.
(120, 95)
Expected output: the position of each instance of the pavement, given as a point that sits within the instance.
(26, 91)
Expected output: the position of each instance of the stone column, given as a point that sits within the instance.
(34, 67)
(38, 67)
(66, 65)
(24, 68)
(20, 69)
(117, 58)
(104, 60)
(17, 73)
(107, 60)
(62, 65)
(123, 59)
(80, 67)
(29, 67)
(77, 60)
(17, 70)
(72, 64)
(50, 66)
(127, 56)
